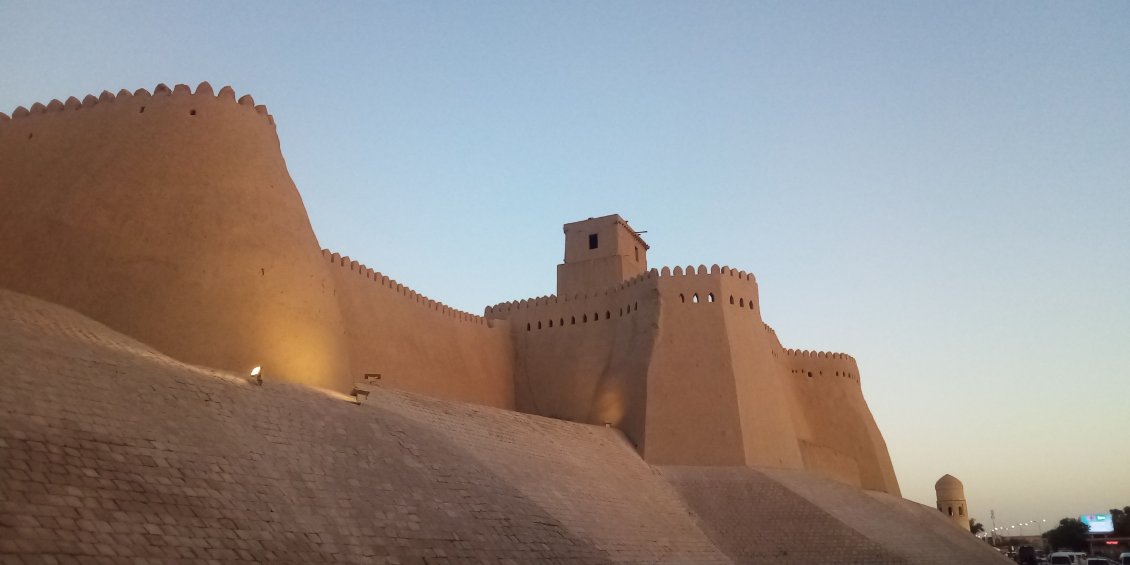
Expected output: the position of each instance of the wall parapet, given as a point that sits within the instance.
(702, 270)
(502, 308)
(817, 354)
(344, 262)
(73, 104)
(815, 363)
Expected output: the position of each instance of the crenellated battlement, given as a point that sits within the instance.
(807, 363)
(502, 309)
(817, 354)
(701, 270)
(715, 272)
(178, 92)
(392, 285)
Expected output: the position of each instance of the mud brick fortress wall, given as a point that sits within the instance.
(171, 218)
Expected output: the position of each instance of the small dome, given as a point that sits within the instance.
(949, 488)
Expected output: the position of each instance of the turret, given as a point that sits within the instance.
(951, 501)
(600, 253)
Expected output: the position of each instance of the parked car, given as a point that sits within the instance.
(1124, 559)
(1067, 558)
(1026, 555)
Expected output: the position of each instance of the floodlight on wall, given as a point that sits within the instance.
(359, 395)
(257, 375)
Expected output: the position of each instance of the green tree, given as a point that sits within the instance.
(975, 527)
(1121, 519)
(1069, 534)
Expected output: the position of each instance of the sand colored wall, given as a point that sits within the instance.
(418, 344)
(585, 358)
(715, 354)
(837, 433)
(691, 382)
(170, 217)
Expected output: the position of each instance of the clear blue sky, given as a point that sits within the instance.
(940, 189)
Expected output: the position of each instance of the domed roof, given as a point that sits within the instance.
(948, 481)
(949, 488)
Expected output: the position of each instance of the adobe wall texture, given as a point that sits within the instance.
(170, 217)
(420, 345)
(111, 452)
(681, 361)
(585, 359)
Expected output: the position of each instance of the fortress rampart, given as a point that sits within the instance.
(680, 360)
(171, 217)
(417, 344)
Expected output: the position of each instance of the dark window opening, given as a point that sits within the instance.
(192, 112)
(561, 322)
(585, 319)
(592, 241)
(810, 374)
(960, 510)
(607, 314)
(539, 325)
(682, 298)
(573, 320)
(551, 323)
(951, 510)
(637, 255)
(731, 299)
(527, 327)
(142, 111)
(741, 303)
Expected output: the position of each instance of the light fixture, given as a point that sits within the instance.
(359, 395)
(257, 375)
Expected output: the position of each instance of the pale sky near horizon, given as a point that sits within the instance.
(939, 189)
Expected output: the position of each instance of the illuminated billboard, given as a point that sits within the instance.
(1098, 523)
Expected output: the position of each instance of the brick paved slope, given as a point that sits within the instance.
(111, 452)
(790, 516)
(110, 449)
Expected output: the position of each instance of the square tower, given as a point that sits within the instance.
(600, 253)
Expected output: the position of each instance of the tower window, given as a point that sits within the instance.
(637, 254)
(593, 241)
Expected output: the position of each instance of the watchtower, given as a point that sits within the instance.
(951, 500)
(600, 253)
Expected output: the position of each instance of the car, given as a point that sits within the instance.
(1067, 558)
(1026, 555)
(1124, 559)
(1100, 561)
